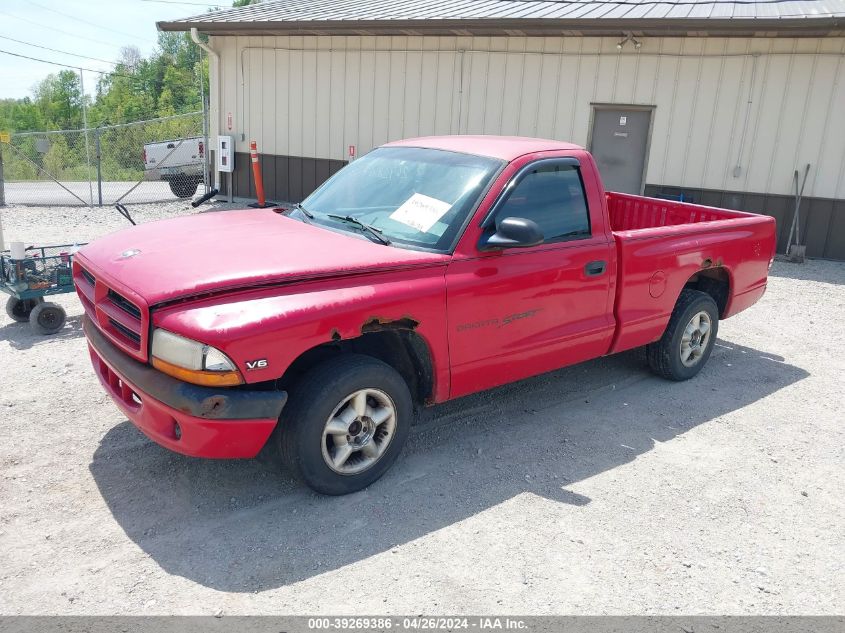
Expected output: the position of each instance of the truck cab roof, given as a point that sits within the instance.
(505, 148)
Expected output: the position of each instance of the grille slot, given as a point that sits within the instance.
(88, 276)
(135, 337)
(124, 304)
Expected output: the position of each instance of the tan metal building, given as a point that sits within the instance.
(718, 102)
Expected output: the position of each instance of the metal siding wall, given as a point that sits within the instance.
(831, 155)
(281, 137)
(334, 92)
(822, 220)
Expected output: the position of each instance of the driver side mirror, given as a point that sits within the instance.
(513, 233)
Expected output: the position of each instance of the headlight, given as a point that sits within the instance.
(193, 361)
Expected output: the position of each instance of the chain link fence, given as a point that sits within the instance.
(147, 161)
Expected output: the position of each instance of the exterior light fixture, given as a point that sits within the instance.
(629, 37)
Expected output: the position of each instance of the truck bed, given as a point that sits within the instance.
(633, 213)
(181, 154)
(664, 245)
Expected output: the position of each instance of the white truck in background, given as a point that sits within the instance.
(180, 162)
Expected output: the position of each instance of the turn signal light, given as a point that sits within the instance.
(198, 377)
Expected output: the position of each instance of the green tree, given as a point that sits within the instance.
(58, 99)
(20, 115)
(58, 157)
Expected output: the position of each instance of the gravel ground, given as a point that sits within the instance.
(597, 489)
(47, 192)
(54, 225)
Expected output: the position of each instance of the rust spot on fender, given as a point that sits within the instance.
(378, 324)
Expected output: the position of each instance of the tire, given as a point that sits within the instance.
(666, 357)
(183, 188)
(47, 318)
(328, 394)
(20, 309)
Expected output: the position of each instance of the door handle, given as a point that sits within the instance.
(594, 269)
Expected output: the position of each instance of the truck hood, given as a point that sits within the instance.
(211, 252)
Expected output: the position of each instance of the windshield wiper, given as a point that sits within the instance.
(305, 211)
(367, 228)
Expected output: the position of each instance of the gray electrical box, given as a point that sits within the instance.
(225, 154)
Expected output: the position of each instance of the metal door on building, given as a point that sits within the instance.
(619, 144)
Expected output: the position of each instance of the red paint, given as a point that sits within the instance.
(96, 301)
(259, 285)
(199, 437)
(507, 148)
(220, 251)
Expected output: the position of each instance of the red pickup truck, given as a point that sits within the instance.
(424, 271)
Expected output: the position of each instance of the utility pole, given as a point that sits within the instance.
(2, 190)
(97, 149)
(85, 132)
(2, 200)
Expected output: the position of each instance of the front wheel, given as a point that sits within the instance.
(345, 424)
(689, 338)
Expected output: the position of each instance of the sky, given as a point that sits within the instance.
(93, 28)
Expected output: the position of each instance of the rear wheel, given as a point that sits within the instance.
(47, 318)
(689, 338)
(20, 309)
(345, 424)
(183, 188)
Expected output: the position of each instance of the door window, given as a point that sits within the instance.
(552, 195)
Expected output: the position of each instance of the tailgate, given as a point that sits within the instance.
(175, 153)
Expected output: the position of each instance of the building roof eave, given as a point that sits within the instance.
(680, 27)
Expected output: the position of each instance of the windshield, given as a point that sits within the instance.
(411, 196)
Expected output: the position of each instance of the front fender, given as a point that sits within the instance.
(264, 330)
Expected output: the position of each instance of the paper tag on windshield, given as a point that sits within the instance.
(420, 212)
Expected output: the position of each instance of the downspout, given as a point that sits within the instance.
(195, 37)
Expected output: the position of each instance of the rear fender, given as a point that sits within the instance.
(656, 264)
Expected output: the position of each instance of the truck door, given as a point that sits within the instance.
(518, 312)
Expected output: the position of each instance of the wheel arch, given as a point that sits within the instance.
(715, 281)
(395, 343)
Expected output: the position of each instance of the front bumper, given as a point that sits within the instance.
(186, 418)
